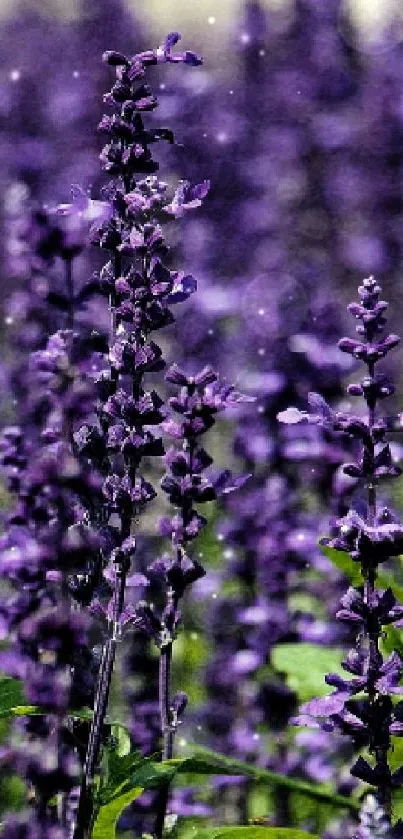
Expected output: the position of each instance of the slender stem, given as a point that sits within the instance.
(282, 796)
(168, 732)
(243, 802)
(70, 292)
(165, 664)
(85, 807)
(68, 435)
(379, 746)
(165, 701)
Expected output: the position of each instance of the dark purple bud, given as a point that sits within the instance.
(183, 286)
(171, 40)
(115, 59)
(176, 376)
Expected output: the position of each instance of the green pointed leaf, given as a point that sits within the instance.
(119, 774)
(151, 774)
(305, 666)
(344, 563)
(254, 832)
(108, 815)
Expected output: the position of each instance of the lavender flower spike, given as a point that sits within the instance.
(140, 289)
(370, 539)
(187, 482)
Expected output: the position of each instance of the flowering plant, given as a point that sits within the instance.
(162, 617)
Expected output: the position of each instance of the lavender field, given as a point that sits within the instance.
(201, 576)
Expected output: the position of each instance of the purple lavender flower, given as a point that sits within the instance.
(370, 538)
(140, 288)
(187, 483)
(44, 545)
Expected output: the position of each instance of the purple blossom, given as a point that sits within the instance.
(370, 538)
(140, 289)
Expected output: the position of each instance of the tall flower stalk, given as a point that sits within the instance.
(371, 536)
(188, 482)
(140, 289)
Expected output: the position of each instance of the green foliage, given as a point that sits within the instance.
(344, 563)
(397, 804)
(351, 569)
(207, 543)
(150, 775)
(306, 813)
(395, 762)
(392, 640)
(121, 739)
(13, 793)
(255, 832)
(118, 777)
(109, 814)
(12, 699)
(386, 579)
(13, 704)
(190, 656)
(127, 773)
(303, 601)
(305, 666)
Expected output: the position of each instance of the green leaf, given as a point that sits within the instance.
(150, 775)
(119, 775)
(122, 740)
(305, 666)
(386, 579)
(13, 704)
(10, 709)
(397, 804)
(14, 791)
(344, 563)
(392, 640)
(352, 570)
(22, 711)
(134, 771)
(11, 697)
(254, 832)
(396, 753)
(108, 815)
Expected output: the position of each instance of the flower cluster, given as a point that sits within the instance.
(306, 197)
(141, 289)
(370, 538)
(187, 482)
(46, 542)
